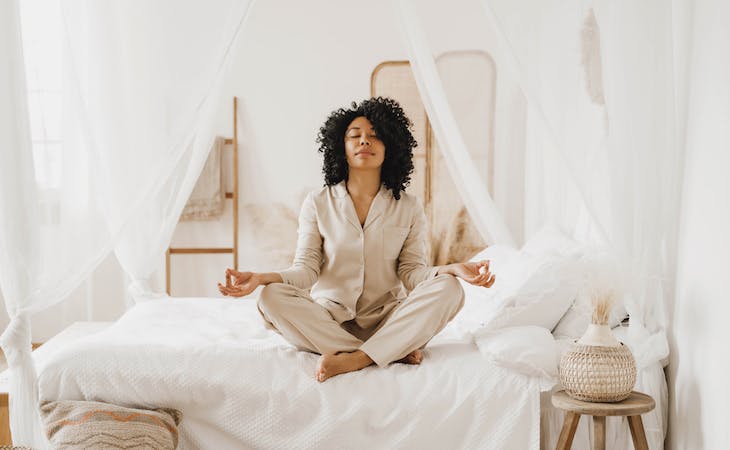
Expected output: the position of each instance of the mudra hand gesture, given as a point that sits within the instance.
(239, 284)
(476, 273)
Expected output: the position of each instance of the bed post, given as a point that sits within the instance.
(5, 438)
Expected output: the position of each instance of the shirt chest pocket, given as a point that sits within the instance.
(393, 239)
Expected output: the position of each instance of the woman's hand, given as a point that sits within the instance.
(476, 273)
(239, 284)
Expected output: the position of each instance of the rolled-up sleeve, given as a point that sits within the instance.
(304, 271)
(413, 267)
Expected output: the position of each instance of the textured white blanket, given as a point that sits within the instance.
(240, 385)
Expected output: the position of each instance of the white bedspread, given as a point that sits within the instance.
(240, 385)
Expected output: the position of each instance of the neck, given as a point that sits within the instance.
(363, 183)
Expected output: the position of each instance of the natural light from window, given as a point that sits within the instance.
(42, 47)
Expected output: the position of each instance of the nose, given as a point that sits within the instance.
(364, 140)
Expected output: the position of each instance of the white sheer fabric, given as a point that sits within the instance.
(143, 81)
(161, 113)
(602, 159)
(470, 185)
(608, 174)
(19, 228)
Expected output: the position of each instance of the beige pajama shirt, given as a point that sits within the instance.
(361, 287)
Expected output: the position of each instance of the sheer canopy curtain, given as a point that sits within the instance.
(142, 83)
(19, 227)
(472, 188)
(148, 84)
(601, 154)
(601, 157)
(599, 80)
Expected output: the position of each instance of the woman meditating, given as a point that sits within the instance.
(362, 251)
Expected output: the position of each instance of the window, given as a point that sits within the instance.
(42, 48)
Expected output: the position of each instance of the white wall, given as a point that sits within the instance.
(700, 332)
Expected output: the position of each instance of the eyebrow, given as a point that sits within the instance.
(357, 128)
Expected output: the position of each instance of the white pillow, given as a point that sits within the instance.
(592, 262)
(479, 302)
(529, 350)
(535, 290)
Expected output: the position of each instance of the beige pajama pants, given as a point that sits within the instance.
(392, 335)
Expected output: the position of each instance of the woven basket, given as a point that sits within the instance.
(598, 374)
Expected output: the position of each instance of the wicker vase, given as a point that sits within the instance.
(598, 373)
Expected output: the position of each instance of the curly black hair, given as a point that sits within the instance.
(392, 127)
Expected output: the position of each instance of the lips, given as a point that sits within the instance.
(365, 153)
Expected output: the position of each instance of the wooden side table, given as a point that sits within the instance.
(633, 406)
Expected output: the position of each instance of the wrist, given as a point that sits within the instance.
(268, 278)
(446, 270)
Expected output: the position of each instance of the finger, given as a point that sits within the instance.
(484, 279)
(227, 290)
(228, 279)
(236, 290)
(483, 267)
(471, 277)
(477, 280)
(222, 288)
(490, 282)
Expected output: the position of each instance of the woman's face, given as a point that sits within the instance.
(363, 148)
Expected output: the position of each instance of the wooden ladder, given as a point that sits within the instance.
(229, 195)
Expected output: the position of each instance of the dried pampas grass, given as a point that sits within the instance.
(602, 305)
(604, 281)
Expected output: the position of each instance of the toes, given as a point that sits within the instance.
(321, 375)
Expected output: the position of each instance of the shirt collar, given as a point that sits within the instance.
(340, 190)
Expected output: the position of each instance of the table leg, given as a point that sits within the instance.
(599, 432)
(637, 433)
(568, 432)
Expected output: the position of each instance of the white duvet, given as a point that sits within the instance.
(240, 385)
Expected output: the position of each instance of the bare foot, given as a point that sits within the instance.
(414, 357)
(335, 364)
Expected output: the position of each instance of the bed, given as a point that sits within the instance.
(240, 385)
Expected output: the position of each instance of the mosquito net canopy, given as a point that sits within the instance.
(543, 113)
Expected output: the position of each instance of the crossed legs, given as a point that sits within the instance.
(310, 327)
